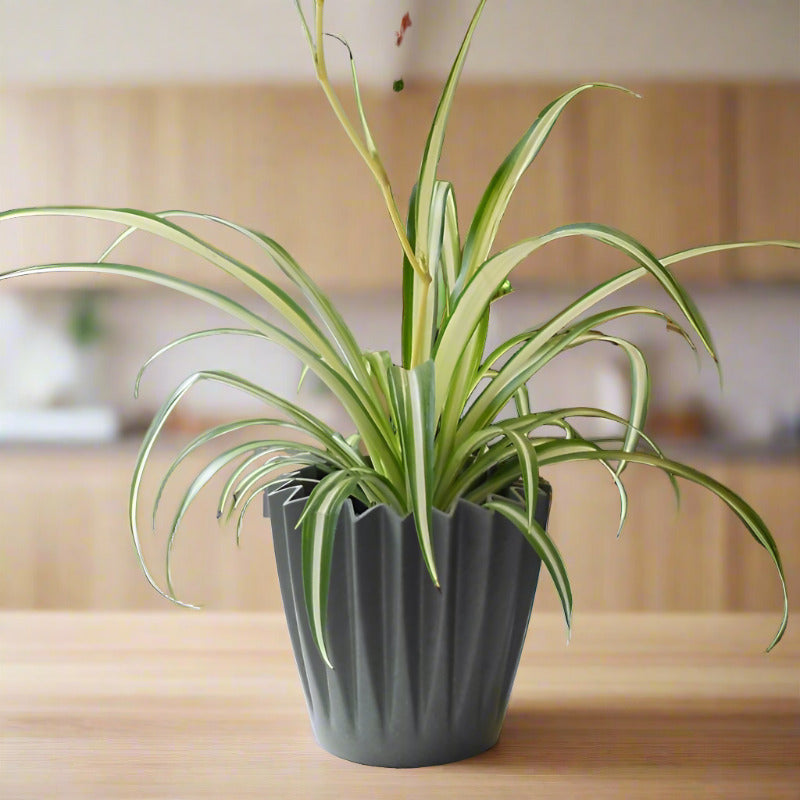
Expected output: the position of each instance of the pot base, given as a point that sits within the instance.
(419, 752)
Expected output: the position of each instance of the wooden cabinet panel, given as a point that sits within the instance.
(270, 158)
(767, 165)
(774, 490)
(653, 169)
(686, 165)
(275, 159)
(65, 541)
(71, 147)
(664, 559)
(701, 558)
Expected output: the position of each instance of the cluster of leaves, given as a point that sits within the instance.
(429, 431)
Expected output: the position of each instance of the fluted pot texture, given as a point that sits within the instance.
(421, 675)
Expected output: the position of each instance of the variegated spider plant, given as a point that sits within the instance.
(428, 431)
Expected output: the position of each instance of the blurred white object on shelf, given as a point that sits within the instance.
(69, 425)
(37, 361)
(39, 368)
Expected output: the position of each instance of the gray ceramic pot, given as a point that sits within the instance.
(421, 676)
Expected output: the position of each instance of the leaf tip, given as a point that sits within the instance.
(323, 651)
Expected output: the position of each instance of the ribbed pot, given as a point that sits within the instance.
(421, 676)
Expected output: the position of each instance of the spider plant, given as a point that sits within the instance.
(428, 431)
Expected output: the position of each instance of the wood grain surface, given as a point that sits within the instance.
(69, 547)
(689, 163)
(209, 706)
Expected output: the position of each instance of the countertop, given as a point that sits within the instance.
(183, 705)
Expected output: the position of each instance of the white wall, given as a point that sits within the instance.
(153, 41)
(756, 330)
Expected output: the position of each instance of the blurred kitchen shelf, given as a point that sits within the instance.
(716, 448)
(711, 448)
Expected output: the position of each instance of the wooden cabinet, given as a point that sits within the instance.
(270, 158)
(652, 168)
(275, 159)
(71, 147)
(65, 541)
(774, 490)
(701, 558)
(767, 172)
(686, 165)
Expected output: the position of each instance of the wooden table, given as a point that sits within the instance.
(186, 705)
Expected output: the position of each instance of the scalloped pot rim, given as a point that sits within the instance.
(294, 493)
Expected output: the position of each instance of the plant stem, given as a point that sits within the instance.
(371, 159)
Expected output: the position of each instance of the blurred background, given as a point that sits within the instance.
(210, 106)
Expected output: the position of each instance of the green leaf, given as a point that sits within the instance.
(451, 247)
(371, 488)
(472, 304)
(496, 467)
(168, 231)
(214, 433)
(428, 295)
(540, 347)
(538, 539)
(341, 333)
(751, 520)
(495, 200)
(379, 364)
(529, 466)
(640, 388)
(304, 25)
(441, 218)
(368, 140)
(297, 454)
(303, 373)
(283, 465)
(459, 391)
(282, 479)
(522, 400)
(190, 337)
(694, 252)
(319, 526)
(538, 337)
(157, 424)
(318, 521)
(433, 145)
(228, 491)
(412, 399)
(410, 280)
